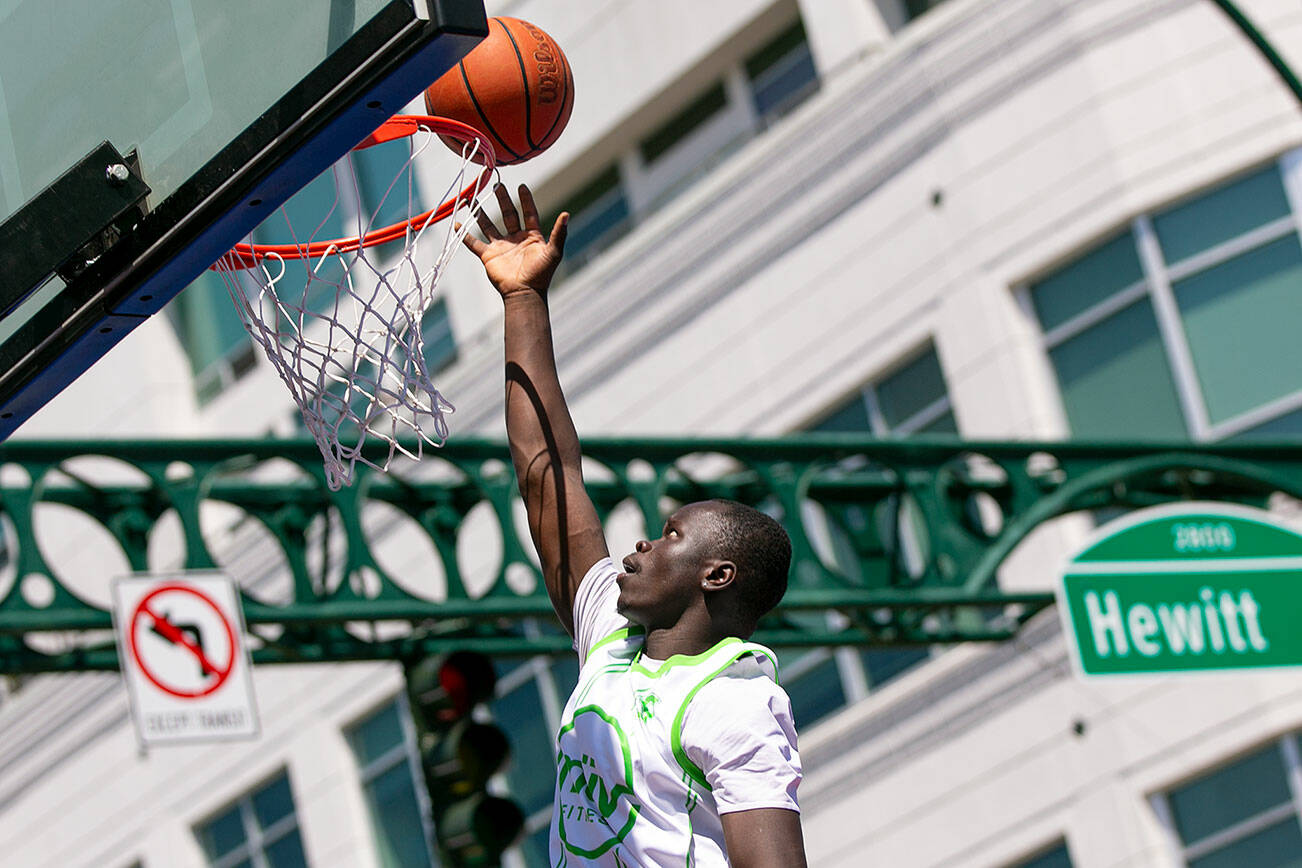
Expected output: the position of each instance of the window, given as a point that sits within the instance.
(385, 747)
(436, 335)
(1056, 857)
(440, 351)
(530, 697)
(1184, 324)
(389, 191)
(599, 215)
(681, 125)
(258, 831)
(367, 189)
(911, 399)
(1244, 813)
(211, 333)
(915, 8)
(782, 74)
(688, 145)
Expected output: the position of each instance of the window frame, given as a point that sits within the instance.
(1156, 285)
(407, 751)
(856, 681)
(1183, 852)
(538, 669)
(256, 838)
(352, 182)
(1043, 851)
(686, 145)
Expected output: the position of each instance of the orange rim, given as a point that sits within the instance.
(399, 126)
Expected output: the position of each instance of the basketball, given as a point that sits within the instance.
(515, 86)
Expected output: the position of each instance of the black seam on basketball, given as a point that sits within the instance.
(470, 92)
(524, 77)
(565, 66)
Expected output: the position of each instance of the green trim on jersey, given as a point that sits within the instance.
(680, 659)
(676, 731)
(622, 633)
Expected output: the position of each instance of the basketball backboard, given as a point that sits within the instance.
(141, 139)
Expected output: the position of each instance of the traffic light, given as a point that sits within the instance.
(459, 755)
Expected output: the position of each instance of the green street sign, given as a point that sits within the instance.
(1188, 587)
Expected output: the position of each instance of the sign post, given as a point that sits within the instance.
(1188, 587)
(181, 646)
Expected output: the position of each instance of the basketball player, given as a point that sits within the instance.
(677, 746)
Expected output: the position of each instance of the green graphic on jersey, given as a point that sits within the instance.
(644, 703)
(594, 771)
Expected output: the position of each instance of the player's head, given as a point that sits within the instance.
(723, 558)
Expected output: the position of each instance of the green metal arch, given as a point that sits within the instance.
(904, 539)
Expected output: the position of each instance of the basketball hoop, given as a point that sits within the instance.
(344, 332)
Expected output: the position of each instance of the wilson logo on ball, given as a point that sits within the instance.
(516, 87)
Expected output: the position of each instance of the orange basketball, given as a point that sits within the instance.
(515, 86)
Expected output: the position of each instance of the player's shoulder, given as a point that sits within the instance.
(748, 681)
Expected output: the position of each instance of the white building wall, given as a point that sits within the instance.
(940, 166)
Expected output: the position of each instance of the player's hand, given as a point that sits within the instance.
(518, 259)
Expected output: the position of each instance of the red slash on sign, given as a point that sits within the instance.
(169, 631)
(187, 636)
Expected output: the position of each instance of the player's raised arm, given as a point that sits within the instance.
(520, 262)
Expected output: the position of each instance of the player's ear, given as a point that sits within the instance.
(721, 575)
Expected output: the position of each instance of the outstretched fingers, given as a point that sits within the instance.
(530, 210)
(559, 231)
(475, 246)
(486, 226)
(510, 217)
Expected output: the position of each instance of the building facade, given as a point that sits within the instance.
(1007, 219)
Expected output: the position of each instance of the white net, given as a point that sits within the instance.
(341, 320)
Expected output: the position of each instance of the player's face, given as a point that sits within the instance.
(662, 577)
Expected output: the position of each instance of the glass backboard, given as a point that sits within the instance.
(140, 139)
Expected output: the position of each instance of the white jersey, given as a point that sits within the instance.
(651, 753)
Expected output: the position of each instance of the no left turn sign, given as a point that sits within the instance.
(181, 647)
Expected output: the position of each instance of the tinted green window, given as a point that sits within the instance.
(1243, 319)
(1234, 793)
(1278, 846)
(700, 110)
(396, 819)
(389, 788)
(911, 389)
(772, 53)
(851, 417)
(223, 834)
(944, 424)
(206, 322)
(267, 813)
(816, 693)
(313, 214)
(782, 73)
(1087, 281)
(599, 214)
(1222, 214)
(439, 341)
(378, 735)
(388, 187)
(565, 675)
(914, 8)
(1115, 380)
(532, 773)
(286, 852)
(1058, 857)
(887, 663)
(1283, 427)
(273, 802)
(536, 848)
